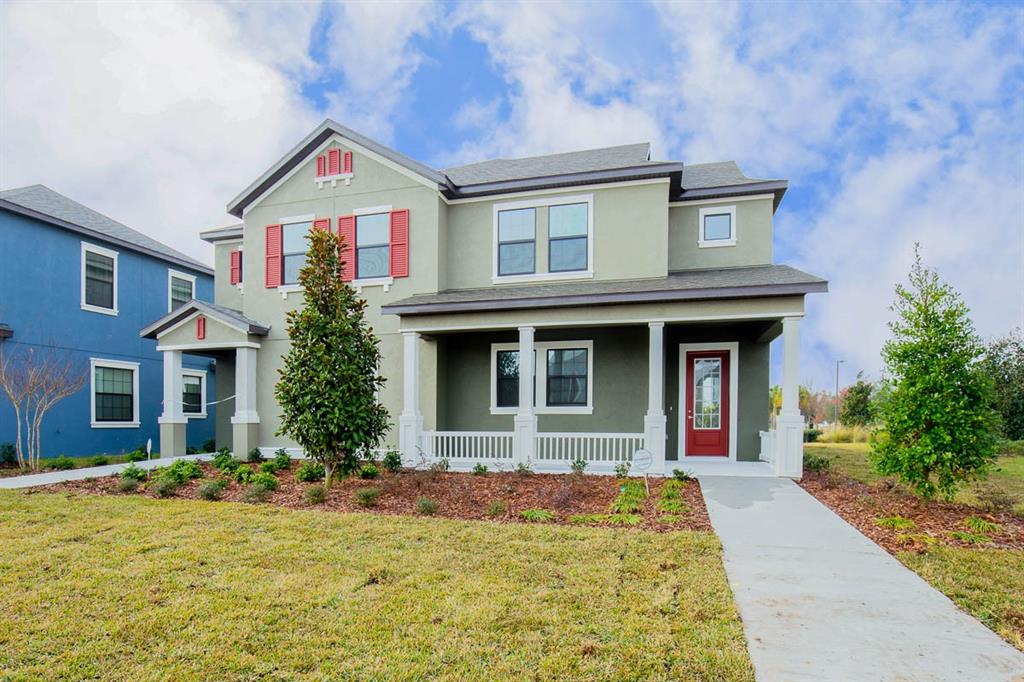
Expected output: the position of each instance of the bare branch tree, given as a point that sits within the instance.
(35, 380)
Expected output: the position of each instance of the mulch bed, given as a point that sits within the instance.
(458, 495)
(935, 522)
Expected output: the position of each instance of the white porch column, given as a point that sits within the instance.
(789, 437)
(246, 420)
(655, 420)
(524, 440)
(173, 423)
(410, 423)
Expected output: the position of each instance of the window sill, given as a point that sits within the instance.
(715, 243)
(196, 415)
(504, 410)
(545, 410)
(97, 309)
(542, 277)
(286, 289)
(115, 425)
(333, 179)
(385, 282)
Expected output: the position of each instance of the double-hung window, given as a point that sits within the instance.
(562, 380)
(567, 377)
(517, 235)
(567, 237)
(507, 378)
(293, 249)
(99, 279)
(373, 245)
(181, 289)
(115, 393)
(193, 393)
(717, 226)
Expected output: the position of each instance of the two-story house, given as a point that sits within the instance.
(591, 305)
(75, 286)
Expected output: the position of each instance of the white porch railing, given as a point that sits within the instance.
(593, 448)
(472, 446)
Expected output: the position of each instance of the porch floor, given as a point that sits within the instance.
(719, 466)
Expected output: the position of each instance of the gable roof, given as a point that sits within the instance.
(229, 316)
(42, 203)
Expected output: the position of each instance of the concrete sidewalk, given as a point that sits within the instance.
(820, 601)
(50, 477)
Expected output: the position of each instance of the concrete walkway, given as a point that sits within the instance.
(820, 601)
(50, 477)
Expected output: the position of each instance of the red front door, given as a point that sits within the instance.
(707, 403)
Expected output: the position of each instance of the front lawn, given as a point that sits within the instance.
(128, 587)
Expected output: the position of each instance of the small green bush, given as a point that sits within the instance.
(127, 485)
(268, 481)
(133, 473)
(99, 461)
(255, 494)
(537, 515)
(578, 466)
(895, 522)
(282, 460)
(369, 472)
(622, 469)
(315, 494)
(225, 461)
(62, 463)
(8, 454)
(496, 509)
(268, 467)
(681, 475)
(211, 490)
(209, 446)
(980, 525)
(811, 435)
(479, 469)
(255, 456)
(309, 471)
(165, 486)
(366, 497)
(524, 469)
(392, 461)
(181, 470)
(426, 506)
(440, 466)
(970, 538)
(624, 504)
(671, 489)
(673, 506)
(817, 463)
(244, 474)
(191, 451)
(136, 456)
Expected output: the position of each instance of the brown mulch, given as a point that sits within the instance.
(861, 505)
(458, 495)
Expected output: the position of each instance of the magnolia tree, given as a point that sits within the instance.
(34, 379)
(939, 429)
(330, 380)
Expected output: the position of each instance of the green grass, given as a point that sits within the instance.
(134, 588)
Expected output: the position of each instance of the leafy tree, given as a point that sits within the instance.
(940, 428)
(329, 382)
(1004, 364)
(856, 408)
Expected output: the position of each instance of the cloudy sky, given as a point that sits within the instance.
(894, 123)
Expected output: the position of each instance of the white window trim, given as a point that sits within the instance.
(541, 371)
(285, 289)
(384, 281)
(92, 248)
(201, 373)
(733, 348)
(114, 364)
(716, 210)
(180, 275)
(543, 202)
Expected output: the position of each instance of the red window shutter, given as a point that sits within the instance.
(274, 265)
(347, 167)
(347, 229)
(321, 166)
(333, 161)
(322, 224)
(200, 327)
(236, 267)
(400, 243)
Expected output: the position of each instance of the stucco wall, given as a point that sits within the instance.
(753, 236)
(228, 294)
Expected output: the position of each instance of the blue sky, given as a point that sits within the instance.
(894, 123)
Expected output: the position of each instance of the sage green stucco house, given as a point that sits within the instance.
(588, 305)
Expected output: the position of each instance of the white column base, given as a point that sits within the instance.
(789, 446)
(524, 439)
(410, 430)
(249, 417)
(654, 440)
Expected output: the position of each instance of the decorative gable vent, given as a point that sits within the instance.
(333, 165)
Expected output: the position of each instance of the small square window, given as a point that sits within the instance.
(717, 226)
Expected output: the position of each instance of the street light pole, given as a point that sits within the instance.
(835, 419)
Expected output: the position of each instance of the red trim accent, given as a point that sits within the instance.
(333, 161)
(273, 266)
(200, 327)
(708, 442)
(347, 163)
(400, 243)
(236, 267)
(347, 230)
(321, 166)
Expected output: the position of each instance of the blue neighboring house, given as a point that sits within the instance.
(79, 282)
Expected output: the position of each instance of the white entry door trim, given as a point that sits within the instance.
(733, 348)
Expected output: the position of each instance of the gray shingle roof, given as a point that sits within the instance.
(229, 316)
(221, 233)
(718, 283)
(719, 174)
(43, 203)
(501, 170)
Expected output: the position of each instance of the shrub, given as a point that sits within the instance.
(309, 471)
(537, 515)
(682, 475)
(479, 469)
(268, 481)
(587, 519)
(980, 525)
(191, 451)
(622, 469)
(524, 469)
(209, 446)
(133, 473)
(671, 489)
(440, 466)
(426, 506)
(366, 497)
(255, 494)
(369, 472)
(255, 456)
(624, 504)
(846, 434)
(181, 470)
(816, 463)
(315, 494)
(99, 460)
(811, 435)
(282, 460)
(269, 467)
(970, 538)
(225, 461)
(62, 463)
(211, 490)
(578, 466)
(895, 522)
(392, 461)
(623, 519)
(136, 456)
(8, 454)
(672, 506)
(127, 485)
(244, 474)
(165, 486)
(496, 509)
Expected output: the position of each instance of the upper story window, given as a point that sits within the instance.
(99, 279)
(717, 226)
(293, 249)
(517, 238)
(546, 238)
(373, 245)
(181, 289)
